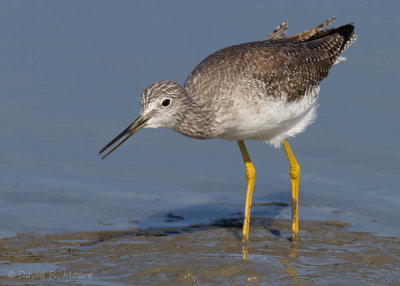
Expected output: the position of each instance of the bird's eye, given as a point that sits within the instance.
(166, 102)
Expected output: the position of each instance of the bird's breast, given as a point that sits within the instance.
(266, 119)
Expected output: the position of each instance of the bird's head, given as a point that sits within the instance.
(162, 106)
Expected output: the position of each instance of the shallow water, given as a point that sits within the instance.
(166, 208)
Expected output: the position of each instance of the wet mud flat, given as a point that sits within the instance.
(204, 255)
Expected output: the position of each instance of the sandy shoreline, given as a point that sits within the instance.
(205, 254)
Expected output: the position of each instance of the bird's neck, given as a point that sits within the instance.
(196, 122)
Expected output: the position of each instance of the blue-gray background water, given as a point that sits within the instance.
(71, 73)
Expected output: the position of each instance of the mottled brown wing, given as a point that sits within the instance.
(292, 69)
(279, 68)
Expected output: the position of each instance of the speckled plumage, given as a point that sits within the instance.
(264, 90)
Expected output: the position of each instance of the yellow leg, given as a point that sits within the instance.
(294, 174)
(250, 176)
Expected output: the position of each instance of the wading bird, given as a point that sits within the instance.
(264, 90)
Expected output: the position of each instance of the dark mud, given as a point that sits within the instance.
(204, 254)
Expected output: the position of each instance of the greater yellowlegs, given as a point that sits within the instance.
(265, 90)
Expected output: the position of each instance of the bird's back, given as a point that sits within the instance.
(246, 81)
(286, 66)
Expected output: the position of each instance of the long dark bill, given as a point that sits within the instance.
(138, 124)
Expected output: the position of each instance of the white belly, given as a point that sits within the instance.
(274, 122)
